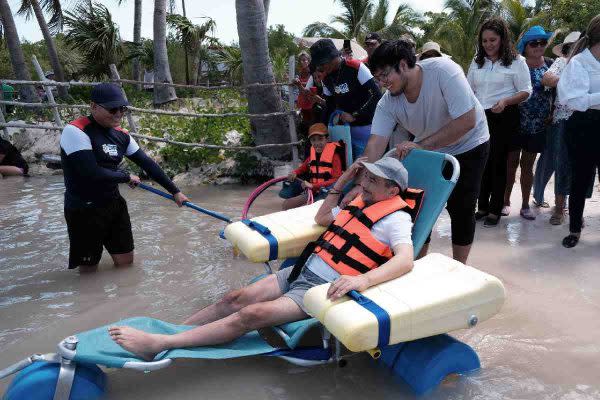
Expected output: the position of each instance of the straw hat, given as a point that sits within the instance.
(570, 38)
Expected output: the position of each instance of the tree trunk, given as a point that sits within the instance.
(27, 93)
(266, 6)
(137, 39)
(257, 67)
(196, 66)
(162, 72)
(185, 50)
(52, 53)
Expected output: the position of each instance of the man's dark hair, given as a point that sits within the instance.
(390, 53)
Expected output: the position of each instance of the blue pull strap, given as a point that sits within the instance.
(383, 318)
(266, 233)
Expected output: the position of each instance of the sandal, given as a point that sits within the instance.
(480, 215)
(570, 241)
(527, 214)
(491, 221)
(557, 219)
(543, 204)
(505, 211)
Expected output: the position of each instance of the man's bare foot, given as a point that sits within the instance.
(144, 345)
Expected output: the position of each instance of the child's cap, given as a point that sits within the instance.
(317, 129)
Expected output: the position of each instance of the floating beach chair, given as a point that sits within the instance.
(400, 322)
(340, 132)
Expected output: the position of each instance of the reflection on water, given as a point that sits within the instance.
(543, 345)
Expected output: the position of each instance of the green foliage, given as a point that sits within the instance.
(96, 36)
(569, 15)
(281, 41)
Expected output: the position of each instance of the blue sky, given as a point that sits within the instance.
(294, 14)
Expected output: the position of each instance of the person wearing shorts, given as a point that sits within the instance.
(91, 150)
(278, 298)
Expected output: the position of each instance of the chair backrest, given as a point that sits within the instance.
(425, 172)
(340, 132)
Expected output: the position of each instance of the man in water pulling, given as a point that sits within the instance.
(91, 150)
(366, 243)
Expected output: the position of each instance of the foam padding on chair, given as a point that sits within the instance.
(292, 229)
(424, 363)
(439, 295)
(292, 332)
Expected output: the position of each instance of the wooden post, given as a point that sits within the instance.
(48, 90)
(3, 121)
(2, 106)
(292, 103)
(114, 74)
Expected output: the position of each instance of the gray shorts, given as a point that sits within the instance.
(296, 290)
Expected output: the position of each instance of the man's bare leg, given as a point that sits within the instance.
(9, 170)
(294, 202)
(255, 316)
(86, 269)
(461, 253)
(265, 289)
(123, 259)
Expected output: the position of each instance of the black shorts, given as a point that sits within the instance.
(91, 229)
(535, 143)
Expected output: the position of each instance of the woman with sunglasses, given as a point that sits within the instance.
(579, 89)
(500, 79)
(534, 113)
(91, 150)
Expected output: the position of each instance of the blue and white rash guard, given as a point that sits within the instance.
(91, 155)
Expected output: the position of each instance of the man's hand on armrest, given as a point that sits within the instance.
(398, 265)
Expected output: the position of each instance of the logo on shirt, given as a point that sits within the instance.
(342, 88)
(110, 149)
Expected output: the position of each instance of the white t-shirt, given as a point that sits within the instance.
(393, 229)
(579, 84)
(494, 81)
(445, 95)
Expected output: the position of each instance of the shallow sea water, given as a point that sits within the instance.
(544, 343)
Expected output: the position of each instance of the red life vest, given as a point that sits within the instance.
(348, 245)
(321, 169)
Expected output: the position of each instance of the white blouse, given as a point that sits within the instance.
(493, 81)
(561, 111)
(579, 84)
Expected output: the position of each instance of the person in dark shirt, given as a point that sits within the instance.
(372, 41)
(11, 161)
(348, 86)
(91, 150)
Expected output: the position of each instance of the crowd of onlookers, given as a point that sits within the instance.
(530, 105)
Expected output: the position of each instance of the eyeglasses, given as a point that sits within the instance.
(384, 75)
(115, 110)
(537, 43)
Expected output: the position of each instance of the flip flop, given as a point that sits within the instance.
(570, 241)
(527, 214)
(480, 215)
(490, 222)
(543, 204)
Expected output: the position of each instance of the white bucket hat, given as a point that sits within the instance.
(570, 38)
(432, 46)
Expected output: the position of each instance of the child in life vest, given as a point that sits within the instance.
(322, 168)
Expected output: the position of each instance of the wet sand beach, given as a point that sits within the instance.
(544, 343)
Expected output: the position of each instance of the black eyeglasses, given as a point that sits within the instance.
(115, 110)
(537, 43)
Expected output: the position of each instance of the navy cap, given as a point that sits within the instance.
(373, 36)
(108, 95)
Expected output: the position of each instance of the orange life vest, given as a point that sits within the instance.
(321, 168)
(348, 245)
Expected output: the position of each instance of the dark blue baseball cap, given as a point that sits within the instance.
(108, 95)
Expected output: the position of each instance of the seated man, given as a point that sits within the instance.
(11, 161)
(381, 251)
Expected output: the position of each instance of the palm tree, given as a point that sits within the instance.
(360, 17)
(56, 21)
(96, 36)
(520, 17)
(231, 57)
(458, 33)
(257, 67)
(27, 92)
(353, 18)
(191, 37)
(162, 71)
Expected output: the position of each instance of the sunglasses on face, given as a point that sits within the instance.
(115, 110)
(537, 43)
